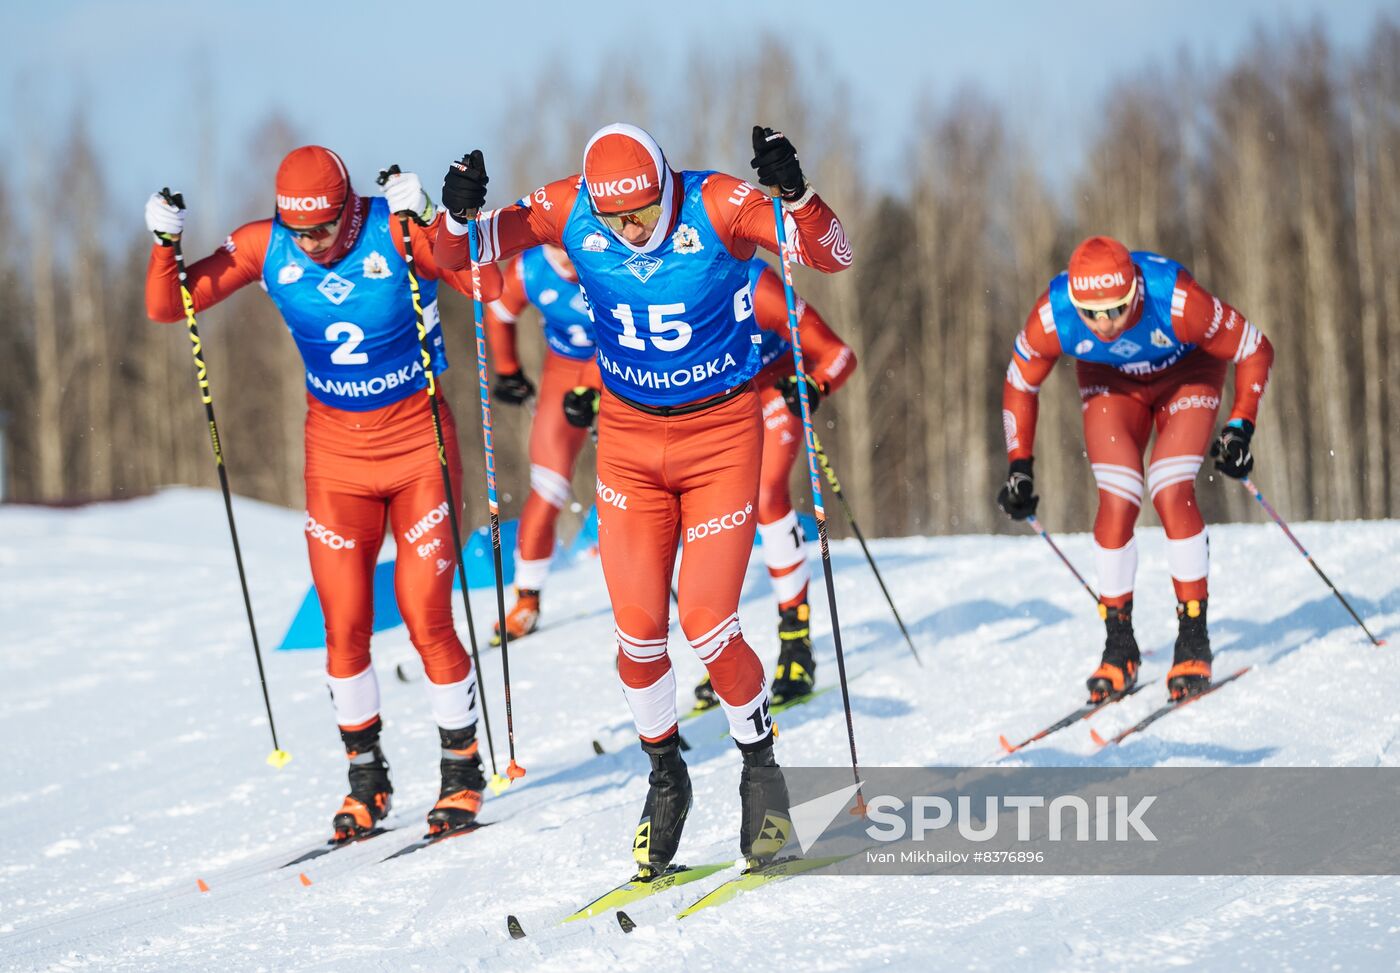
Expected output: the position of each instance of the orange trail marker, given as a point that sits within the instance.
(304, 879)
(203, 885)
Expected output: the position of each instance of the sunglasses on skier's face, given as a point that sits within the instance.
(1100, 314)
(646, 217)
(320, 231)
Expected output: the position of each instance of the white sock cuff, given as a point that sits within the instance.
(780, 549)
(356, 698)
(788, 586)
(1188, 559)
(746, 718)
(453, 704)
(531, 575)
(653, 707)
(1117, 568)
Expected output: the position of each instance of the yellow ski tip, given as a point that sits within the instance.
(498, 784)
(279, 759)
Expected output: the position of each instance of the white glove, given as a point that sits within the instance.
(164, 219)
(404, 191)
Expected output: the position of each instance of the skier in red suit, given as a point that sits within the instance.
(333, 263)
(1152, 348)
(662, 257)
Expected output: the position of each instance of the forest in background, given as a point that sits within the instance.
(1275, 179)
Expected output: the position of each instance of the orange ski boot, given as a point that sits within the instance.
(1190, 672)
(1117, 672)
(368, 801)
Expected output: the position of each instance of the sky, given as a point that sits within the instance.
(414, 82)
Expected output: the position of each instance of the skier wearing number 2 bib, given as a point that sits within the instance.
(663, 258)
(333, 263)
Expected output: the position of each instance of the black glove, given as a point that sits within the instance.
(1017, 495)
(777, 165)
(581, 406)
(1231, 449)
(513, 388)
(788, 386)
(464, 188)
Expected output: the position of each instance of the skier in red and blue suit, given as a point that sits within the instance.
(543, 277)
(333, 263)
(663, 259)
(1152, 348)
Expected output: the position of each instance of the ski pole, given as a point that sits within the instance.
(279, 757)
(513, 769)
(851, 519)
(1268, 508)
(1056, 548)
(817, 508)
(431, 379)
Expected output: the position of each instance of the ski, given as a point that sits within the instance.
(754, 877)
(774, 709)
(599, 750)
(335, 845)
(431, 839)
(634, 888)
(1083, 713)
(1166, 708)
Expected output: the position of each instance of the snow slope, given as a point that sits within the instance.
(135, 736)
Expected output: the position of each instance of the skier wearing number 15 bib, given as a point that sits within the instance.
(333, 263)
(663, 258)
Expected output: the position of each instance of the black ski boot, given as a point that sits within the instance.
(368, 801)
(797, 670)
(763, 797)
(463, 781)
(1190, 672)
(1118, 671)
(668, 802)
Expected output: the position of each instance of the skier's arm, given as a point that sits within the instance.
(828, 359)
(501, 315)
(235, 264)
(742, 215)
(426, 266)
(1222, 332)
(1036, 351)
(535, 219)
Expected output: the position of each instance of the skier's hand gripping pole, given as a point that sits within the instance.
(452, 519)
(815, 477)
(279, 757)
(855, 527)
(1269, 509)
(513, 769)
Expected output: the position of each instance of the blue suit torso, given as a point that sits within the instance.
(1148, 346)
(674, 325)
(354, 322)
(568, 330)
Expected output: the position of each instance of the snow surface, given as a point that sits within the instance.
(135, 737)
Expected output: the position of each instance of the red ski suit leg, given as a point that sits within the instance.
(554, 449)
(1185, 401)
(692, 478)
(777, 521)
(1120, 412)
(362, 467)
